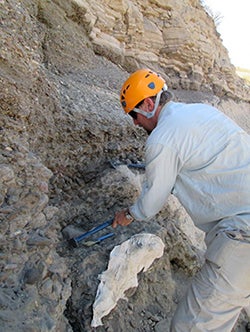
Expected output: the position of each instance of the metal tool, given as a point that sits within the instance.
(115, 164)
(100, 239)
(140, 166)
(76, 240)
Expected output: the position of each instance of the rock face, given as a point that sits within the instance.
(62, 64)
(126, 261)
(177, 38)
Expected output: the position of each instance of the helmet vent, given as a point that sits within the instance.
(148, 74)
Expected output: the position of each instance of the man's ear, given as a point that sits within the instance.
(149, 104)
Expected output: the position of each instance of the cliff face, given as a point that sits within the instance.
(177, 38)
(62, 64)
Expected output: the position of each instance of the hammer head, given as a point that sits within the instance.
(73, 243)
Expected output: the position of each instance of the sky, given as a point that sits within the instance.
(234, 28)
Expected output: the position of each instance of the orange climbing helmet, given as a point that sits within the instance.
(141, 84)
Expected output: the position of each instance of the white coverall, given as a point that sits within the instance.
(203, 158)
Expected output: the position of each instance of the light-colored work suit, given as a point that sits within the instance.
(203, 158)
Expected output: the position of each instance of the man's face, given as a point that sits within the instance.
(141, 120)
(144, 123)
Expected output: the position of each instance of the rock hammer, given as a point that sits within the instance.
(76, 240)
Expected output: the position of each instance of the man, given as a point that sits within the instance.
(202, 157)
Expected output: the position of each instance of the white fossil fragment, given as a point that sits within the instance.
(126, 261)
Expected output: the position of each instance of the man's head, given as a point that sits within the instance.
(141, 95)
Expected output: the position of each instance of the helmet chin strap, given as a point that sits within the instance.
(149, 115)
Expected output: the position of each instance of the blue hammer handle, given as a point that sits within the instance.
(104, 237)
(75, 241)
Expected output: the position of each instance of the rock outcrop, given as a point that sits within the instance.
(178, 38)
(62, 64)
(126, 262)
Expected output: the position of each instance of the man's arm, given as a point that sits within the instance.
(162, 167)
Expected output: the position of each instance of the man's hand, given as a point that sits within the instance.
(122, 218)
